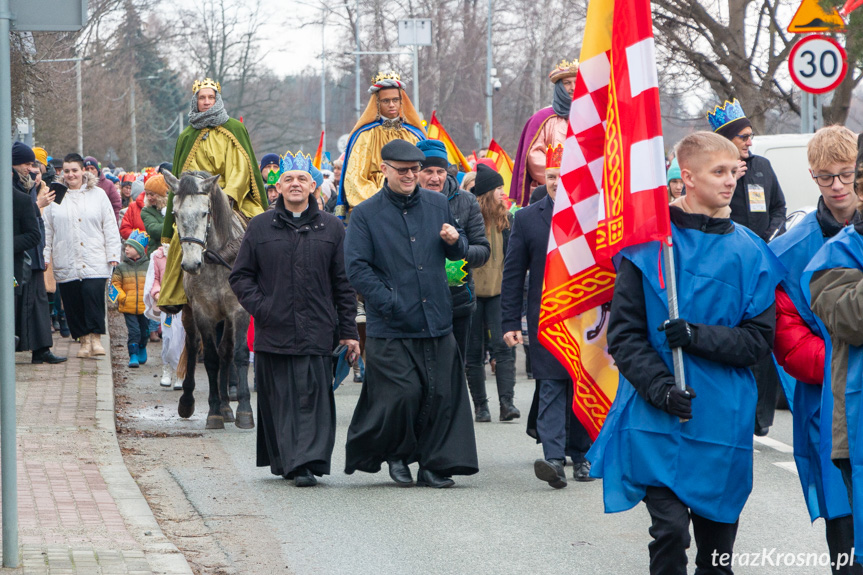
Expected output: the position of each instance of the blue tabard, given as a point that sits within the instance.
(342, 200)
(811, 405)
(845, 250)
(707, 461)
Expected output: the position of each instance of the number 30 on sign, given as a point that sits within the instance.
(818, 64)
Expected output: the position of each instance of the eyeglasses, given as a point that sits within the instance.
(826, 180)
(404, 171)
(389, 101)
(745, 137)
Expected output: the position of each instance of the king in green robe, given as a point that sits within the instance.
(218, 144)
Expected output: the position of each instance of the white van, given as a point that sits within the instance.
(787, 155)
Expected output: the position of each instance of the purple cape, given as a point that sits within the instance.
(519, 191)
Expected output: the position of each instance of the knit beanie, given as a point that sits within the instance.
(435, 151)
(22, 154)
(90, 161)
(137, 188)
(486, 180)
(731, 129)
(41, 155)
(138, 240)
(673, 171)
(269, 159)
(157, 185)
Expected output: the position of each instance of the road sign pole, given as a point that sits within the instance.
(819, 112)
(8, 443)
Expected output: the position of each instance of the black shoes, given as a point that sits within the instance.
(550, 471)
(46, 357)
(304, 478)
(426, 478)
(400, 473)
(508, 411)
(581, 472)
(761, 431)
(482, 413)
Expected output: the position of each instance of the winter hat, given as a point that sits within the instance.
(435, 151)
(138, 240)
(269, 159)
(673, 171)
(137, 188)
(90, 161)
(157, 185)
(111, 177)
(22, 154)
(41, 155)
(486, 180)
(487, 162)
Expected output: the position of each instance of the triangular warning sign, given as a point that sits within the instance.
(811, 17)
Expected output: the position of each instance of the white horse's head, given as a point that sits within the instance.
(192, 214)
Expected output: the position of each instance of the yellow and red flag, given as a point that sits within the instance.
(319, 155)
(611, 195)
(504, 163)
(436, 131)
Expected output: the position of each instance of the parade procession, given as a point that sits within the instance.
(445, 287)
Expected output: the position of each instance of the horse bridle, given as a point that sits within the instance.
(213, 257)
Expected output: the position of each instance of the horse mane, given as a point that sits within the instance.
(221, 214)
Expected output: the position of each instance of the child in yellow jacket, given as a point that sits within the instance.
(127, 291)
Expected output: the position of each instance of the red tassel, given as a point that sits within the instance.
(659, 264)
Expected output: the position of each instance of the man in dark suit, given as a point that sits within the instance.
(528, 245)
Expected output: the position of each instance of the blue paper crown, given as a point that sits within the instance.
(727, 113)
(301, 162)
(140, 238)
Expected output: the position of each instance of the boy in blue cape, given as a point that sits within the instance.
(802, 349)
(688, 454)
(833, 284)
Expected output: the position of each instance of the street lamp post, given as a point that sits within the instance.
(489, 88)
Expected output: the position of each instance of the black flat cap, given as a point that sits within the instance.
(401, 151)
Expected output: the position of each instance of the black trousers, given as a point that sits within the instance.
(485, 319)
(84, 302)
(767, 382)
(670, 532)
(460, 330)
(840, 539)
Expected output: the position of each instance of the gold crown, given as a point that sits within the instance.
(206, 83)
(566, 64)
(391, 75)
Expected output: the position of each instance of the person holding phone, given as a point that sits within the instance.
(290, 275)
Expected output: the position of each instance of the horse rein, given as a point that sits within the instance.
(207, 255)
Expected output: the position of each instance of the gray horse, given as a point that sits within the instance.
(210, 233)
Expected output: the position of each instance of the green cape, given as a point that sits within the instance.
(181, 152)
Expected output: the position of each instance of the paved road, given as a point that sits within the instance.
(231, 517)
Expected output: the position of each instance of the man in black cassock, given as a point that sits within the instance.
(290, 275)
(414, 405)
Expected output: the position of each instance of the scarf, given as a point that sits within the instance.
(562, 100)
(215, 116)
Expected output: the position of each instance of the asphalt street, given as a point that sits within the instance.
(501, 520)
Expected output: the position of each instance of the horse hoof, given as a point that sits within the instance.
(232, 393)
(215, 422)
(186, 407)
(245, 420)
(227, 414)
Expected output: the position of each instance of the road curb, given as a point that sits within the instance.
(162, 555)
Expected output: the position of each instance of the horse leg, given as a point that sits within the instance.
(186, 406)
(215, 418)
(226, 356)
(245, 419)
(232, 381)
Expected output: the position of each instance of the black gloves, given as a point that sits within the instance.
(679, 403)
(678, 332)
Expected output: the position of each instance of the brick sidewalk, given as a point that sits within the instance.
(79, 510)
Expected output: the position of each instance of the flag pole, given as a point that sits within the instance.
(673, 312)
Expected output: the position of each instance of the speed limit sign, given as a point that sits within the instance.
(818, 64)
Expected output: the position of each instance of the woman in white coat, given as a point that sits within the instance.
(82, 242)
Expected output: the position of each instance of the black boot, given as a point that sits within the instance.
(508, 411)
(400, 473)
(428, 478)
(304, 478)
(64, 327)
(483, 415)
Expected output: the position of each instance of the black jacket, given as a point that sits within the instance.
(528, 247)
(465, 210)
(25, 228)
(639, 362)
(759, 172)
(396, 259)
(290, 275)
